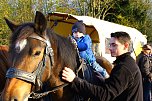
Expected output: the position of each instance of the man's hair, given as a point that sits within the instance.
(122, 37)
(147, 47)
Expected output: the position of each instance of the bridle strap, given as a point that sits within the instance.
(26, 76)
(48, 50)
(35, 36)
(34, 95)
(20, 74)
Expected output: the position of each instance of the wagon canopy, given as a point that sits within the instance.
(62, 24)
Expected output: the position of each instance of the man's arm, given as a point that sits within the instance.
(113, 86)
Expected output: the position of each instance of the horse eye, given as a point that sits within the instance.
(37, 53)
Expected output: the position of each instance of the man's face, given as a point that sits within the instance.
(147, 51)
(116, 48)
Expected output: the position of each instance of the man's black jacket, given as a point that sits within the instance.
(145, 65)
(124, 83)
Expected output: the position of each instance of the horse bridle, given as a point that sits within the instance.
(35, 76)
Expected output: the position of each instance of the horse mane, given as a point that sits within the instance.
(66, 49)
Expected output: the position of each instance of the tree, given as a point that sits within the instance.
(5, 11)
(15, 10)
(133, 13)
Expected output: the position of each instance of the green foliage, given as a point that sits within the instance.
(19, 11)
(5, 11)
(133, 13)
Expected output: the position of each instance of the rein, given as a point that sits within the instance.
(34, 95)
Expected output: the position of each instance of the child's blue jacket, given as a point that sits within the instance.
(84, 46)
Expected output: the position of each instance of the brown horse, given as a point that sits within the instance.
(38, 56)
(4, 64)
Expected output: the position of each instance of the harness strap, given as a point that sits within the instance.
(75, 45)
(80, 67)
(27, 76)
(48, 50)
(35, 36)
(20, 74)
(34, 95)
(39, 71)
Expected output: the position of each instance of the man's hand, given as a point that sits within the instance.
(68, 74)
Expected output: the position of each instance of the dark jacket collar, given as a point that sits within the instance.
(121, 57)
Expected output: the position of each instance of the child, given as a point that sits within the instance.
(84, 44)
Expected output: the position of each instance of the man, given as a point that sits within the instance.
(146, 49)
(145, 64)
(125, 81)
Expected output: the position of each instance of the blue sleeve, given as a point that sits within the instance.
(82, 46)
(84, 43)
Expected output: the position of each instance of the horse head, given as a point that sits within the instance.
(37, 56)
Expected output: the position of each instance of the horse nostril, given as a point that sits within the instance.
(14, 99)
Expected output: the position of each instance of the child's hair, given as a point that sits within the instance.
(79, 26)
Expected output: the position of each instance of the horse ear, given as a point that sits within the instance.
(40, 22)
(11, 25)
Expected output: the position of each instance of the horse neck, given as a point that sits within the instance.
(4, 64)
(60, 62)
(4, 54)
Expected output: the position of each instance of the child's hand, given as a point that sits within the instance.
(75, 43)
